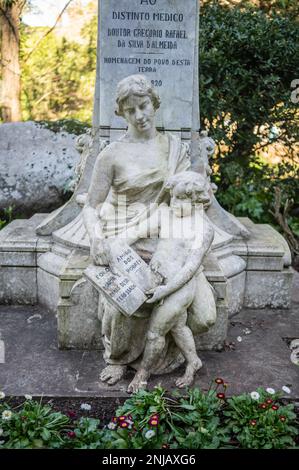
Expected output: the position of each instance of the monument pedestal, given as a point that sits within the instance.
(35, 270)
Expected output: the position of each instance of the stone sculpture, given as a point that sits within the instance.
(129, 176)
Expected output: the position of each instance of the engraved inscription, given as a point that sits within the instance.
(152, 38)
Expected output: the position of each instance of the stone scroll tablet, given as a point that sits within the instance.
(118, 289)
(128, 280)
(132, 265)
(157, 38)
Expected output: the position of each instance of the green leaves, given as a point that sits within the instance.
(6, 216)
(195, 420)
(35, 425)
(247, 61)
(58, 78)
(261, 423)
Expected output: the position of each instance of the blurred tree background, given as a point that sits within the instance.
(249, 61)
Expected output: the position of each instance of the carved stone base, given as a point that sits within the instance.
(253, 273)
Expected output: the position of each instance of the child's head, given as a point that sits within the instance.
(187, 189)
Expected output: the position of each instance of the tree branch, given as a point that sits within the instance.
(8, 68)
(48, 32)
(281, 217)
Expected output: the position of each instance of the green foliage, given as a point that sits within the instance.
(7, 3)
(262, 423)
(6, 217)
(71, 126)
(58, 77)
(196, 424)
(248, 61)
(250, 191)
(86, 435)
(155, 420)
(33, 426)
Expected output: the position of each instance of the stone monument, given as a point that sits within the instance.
(57, 260)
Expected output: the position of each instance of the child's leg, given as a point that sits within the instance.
(163, 319)
(184, 340)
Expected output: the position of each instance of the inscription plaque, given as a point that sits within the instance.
(154, 38)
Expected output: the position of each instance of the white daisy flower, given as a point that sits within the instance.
(85, 407)
(255, 395)
(270, 390)
(204, 430)
(286, 389)
(112, 426)
(240, 339)
(28, 397)
(149, 434)
(2, 395)
(6, 415)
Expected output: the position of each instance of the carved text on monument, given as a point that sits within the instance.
(157, 39)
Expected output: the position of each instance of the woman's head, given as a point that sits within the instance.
(137, 85)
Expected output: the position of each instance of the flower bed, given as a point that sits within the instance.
(156, 420)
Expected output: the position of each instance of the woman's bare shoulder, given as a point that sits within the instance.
(109, 152)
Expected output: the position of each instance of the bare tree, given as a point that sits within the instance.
(10, 11)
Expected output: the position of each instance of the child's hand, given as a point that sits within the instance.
(155, 265)
(158, 294)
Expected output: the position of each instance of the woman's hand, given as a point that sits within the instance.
(159, 293)
(100, 252)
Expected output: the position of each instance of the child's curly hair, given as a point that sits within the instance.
(189, 183)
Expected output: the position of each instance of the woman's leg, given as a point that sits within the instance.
(112, 373)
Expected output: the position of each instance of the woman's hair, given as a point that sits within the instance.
(189, 183)
(135, 85)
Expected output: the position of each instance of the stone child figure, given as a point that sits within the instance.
(185, 236)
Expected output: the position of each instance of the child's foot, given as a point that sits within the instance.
(139, 382)
(112, 374)
(189, 375)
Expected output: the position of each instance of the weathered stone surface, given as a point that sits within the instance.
(19, 251)
(36, 167)
(155, 39)
(235, 292)
(18, 285)
(35, 365)
(47, 290)
(78, 323)
(215, 337)
(20, 236)
(268, 289)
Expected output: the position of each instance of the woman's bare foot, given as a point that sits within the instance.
(139, 382)
(112, 374)
(189, 375)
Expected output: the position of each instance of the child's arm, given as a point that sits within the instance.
(190, 268)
